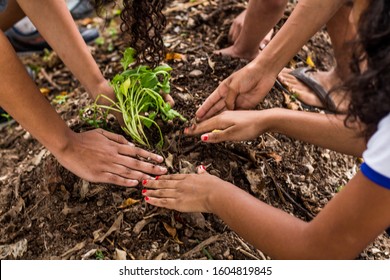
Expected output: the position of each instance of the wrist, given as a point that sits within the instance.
(102, 87)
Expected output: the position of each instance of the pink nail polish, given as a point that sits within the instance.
(205, 137)
(143, 191)
(144, 182)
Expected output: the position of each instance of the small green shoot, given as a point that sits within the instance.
(139, 98)
(99, 255)
(61, 98)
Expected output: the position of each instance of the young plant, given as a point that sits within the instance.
(139, 98)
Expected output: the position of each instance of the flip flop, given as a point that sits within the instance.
(310, 82)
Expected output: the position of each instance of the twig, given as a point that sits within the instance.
(249, 255)
(199, 247)
(49, 79)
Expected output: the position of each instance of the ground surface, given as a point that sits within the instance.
(48, 213)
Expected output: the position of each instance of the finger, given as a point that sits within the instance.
(206, 126)
(110, 178)
(216, 110)
(160, 193)
(168, 203)
(219, 136)
(211, 101)
(163, 181)
(139, 165)
(128, 173)
(168, 98)
(113, 136)
(201, 169)
(131, 150)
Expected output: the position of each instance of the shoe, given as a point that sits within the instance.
(79, 9)
(33, 41)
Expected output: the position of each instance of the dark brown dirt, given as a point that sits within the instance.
(48, 213)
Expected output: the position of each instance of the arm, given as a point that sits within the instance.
(63, 36)
(245, 88)
(97, 155)
(327, 131)
(349, 223)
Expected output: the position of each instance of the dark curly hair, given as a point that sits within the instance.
(369, 86)
(144, 22)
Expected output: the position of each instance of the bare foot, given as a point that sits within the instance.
(327, 80)
(241, 48)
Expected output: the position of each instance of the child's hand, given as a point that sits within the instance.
(243, 89)
(232, 126)
(184, 192)
(102, 156)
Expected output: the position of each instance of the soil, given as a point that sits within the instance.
(46, 212)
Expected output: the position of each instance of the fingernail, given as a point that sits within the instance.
(205, 137)
(156, 178)
(131, 144)
(143, 191)
(147, 198)
(186, 130)
(262, 46)
(193, 126)
(202, 167)
(144, 182)
(160, 158)
(133, 182)
(163, 169)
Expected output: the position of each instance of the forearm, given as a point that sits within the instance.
(307, 18)
(273, 231)
(55, 23)
(324, 130)
(24, 102)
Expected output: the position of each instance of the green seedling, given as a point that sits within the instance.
(60, 98)
(99, 255)
(139, 98)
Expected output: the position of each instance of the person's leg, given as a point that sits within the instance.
(11, 15)
(23, 35)
(259, 18)
(341, 33)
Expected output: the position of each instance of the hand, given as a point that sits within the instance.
(184, 192)
(244, 89)
(102, 156)
(236, 27)
(232, 126)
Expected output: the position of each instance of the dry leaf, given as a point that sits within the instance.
(128, 202)
(76, 248)
(115, 227)
(275, 156)
(171, 230)
(211, 63)
(16, 250)
(140, 225)
(120, 254)
(175, 56)
(169, 161)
